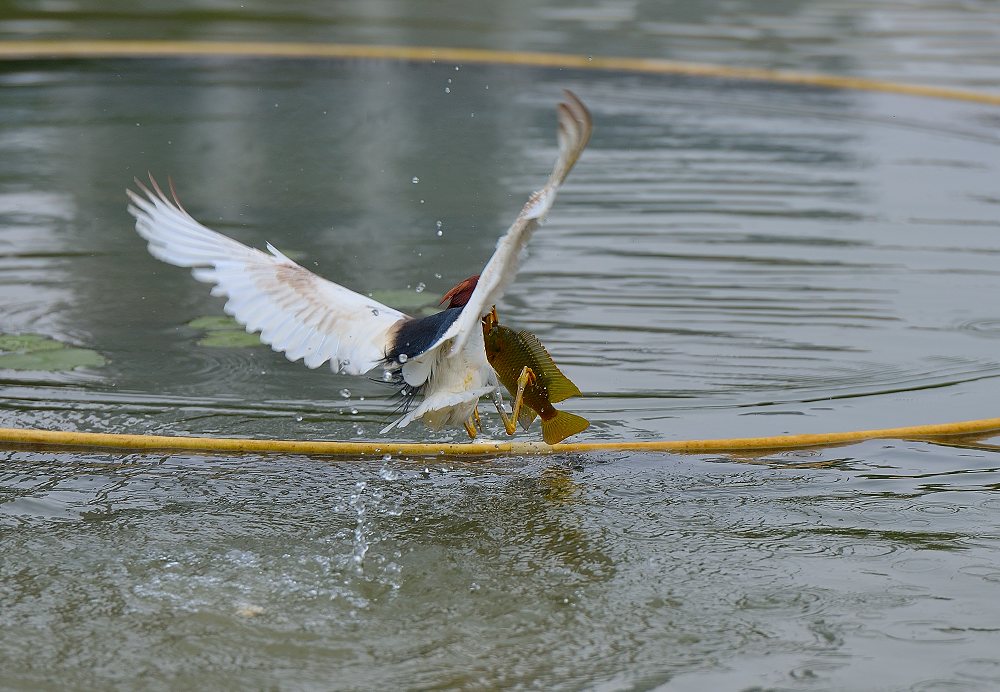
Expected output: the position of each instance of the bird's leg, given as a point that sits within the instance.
(510, 420)
(527, 377)
(476, 419)
(509, 424)
(470, 427)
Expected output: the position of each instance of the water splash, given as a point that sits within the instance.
(361, 542)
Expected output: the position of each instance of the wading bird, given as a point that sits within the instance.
(441, 357)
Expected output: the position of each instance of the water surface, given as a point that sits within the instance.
(727, 259)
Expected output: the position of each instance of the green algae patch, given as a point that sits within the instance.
(40, 353)
(223, 332)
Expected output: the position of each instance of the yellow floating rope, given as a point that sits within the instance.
(135, 49)
(21, 436)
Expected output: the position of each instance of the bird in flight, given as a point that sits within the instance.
(441, 357)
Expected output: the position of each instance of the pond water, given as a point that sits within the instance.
(727, 259)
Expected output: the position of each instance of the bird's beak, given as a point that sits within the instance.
(490, 319)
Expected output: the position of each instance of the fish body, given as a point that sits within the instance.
(508, 352)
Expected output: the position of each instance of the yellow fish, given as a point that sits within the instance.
(529, 374)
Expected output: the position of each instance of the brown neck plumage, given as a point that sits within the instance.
(459, 296)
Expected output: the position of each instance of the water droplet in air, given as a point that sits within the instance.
(346, 393)
(449, 80)
(386, 376)
(436, 275)
(415, 180)
(403, 357)
(386, 457)
(354, 411)
(298, 419)
(420, 287)
(474, 586)
(438, 224)
(447, 90)
(440, 233)
(388, 474)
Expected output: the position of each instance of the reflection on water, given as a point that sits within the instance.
(727, 259)
(512, 573)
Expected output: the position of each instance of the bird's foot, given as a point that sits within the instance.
(470, 426)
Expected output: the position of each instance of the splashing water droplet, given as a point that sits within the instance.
(420, 287)
(388, 474)
(415, 180)
(386, 376)
(403, 357)
(386, 457)
(361, 543)
(354, 411)
(298, 419)
(447, 90)
(436, 275)
(346, 393)
(440, 233)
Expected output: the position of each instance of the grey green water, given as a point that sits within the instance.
(727, 259)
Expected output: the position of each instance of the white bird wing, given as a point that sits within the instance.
(295, 311)
(575, 126)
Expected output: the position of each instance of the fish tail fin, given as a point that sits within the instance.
(562, 425)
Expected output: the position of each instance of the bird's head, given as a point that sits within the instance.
(459, 296)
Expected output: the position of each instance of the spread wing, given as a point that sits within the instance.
(295, 311)
(575, 127)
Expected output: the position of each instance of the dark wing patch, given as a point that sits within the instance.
(415, 336)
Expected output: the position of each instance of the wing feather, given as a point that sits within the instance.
(295, 311)
(574, 129)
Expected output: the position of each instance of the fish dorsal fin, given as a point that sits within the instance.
(560, 387)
